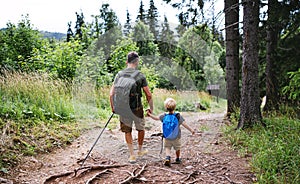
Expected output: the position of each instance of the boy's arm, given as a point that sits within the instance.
(188, 127)
(151, 115)
(154, 117)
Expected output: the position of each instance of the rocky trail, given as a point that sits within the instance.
(206, 158)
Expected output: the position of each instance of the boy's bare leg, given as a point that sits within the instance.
(178, 154)
(168, 152)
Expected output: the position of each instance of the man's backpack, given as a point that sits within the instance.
(125, 88)
(170, 126)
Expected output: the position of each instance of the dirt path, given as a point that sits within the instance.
(205, 158)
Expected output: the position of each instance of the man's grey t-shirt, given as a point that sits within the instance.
(135, 102)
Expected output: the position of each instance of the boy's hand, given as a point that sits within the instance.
(148, 112)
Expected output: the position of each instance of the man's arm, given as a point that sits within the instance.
(149, 97)
(111, 95)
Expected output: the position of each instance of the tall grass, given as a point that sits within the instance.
(34, 96)
(275, 149)
(186, 101)
(36, 114)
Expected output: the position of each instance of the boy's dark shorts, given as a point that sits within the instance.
(126, 123)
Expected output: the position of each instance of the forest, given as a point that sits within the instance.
(48, 86)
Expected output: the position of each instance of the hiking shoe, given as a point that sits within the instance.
(132, 159)
(177, 161)
(142, 153)
(167, 161)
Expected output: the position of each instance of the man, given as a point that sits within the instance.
(136, 107)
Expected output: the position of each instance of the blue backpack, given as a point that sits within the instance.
(170, 126)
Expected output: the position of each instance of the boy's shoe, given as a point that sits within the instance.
(142, 153)
(177, 161)
(132, 159)
(167, 161)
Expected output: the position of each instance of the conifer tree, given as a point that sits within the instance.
(152, 19)
(127, 25)
(144, 38)
(108, 17)
(79, 25)
(109, 28)
(167, 43)
(231, 10)
(250, 112)
(141, 14)
(69, 32)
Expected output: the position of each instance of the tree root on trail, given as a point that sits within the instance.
(169, 170)
(2, 180)
(97, 176)
(85, 170)
(133, 176)
(186, 178)
(95, 167)
(53, 177)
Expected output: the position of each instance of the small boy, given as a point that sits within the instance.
(170, 105)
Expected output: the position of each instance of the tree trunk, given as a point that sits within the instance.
(232, 54)
(250, 102)
(272, 38)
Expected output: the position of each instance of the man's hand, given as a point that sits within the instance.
(149, 111)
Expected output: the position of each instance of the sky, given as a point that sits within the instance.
(54, 15)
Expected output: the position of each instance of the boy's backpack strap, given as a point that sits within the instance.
(177, 114)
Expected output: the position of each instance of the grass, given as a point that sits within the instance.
(36, 115)
(185, 100)
(34, 96)
(275, 148)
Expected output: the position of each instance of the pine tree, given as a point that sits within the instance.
(109, 27)
(79, 25)
(127, 25)
(144, 39)
(69, 32)
(167, 43)
(272, 31)
(152, 19)
(142, 14)
(189, 11)
(232, 55)
(250, 112)
(109, 18)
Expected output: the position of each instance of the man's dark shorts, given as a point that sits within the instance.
(126, 123)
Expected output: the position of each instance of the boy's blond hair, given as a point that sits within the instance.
(170, 104)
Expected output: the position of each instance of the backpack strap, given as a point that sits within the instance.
(135, 74)
(176, 114)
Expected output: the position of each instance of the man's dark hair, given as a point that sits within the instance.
(132, 57)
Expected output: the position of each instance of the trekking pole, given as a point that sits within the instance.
(162, 145)
(97, 140)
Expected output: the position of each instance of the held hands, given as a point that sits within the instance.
(149, 112)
